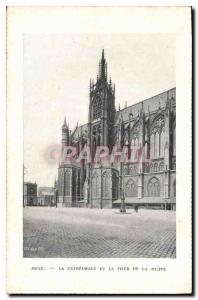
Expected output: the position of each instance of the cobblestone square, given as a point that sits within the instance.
(83, 232)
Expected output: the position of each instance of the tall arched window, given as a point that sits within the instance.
(67, 182)
(157, 137)
(152, 146)
(153, 187)
(131, 188)
(162, 138)
(135, 141)
(97, 108)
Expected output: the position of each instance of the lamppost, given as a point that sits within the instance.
(122, 207)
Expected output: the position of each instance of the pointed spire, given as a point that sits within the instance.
(103, 54)
(64, 123)
(103, 67)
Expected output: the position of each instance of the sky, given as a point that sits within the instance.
(56, 72)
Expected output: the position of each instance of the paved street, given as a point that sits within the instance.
(83, 232)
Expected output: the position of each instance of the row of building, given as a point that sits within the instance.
(42, 196)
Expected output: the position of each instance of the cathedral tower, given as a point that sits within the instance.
(101, 108)
(65, 134)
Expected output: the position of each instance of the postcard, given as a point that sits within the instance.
(99, 150)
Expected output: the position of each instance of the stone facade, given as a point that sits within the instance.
(46, 196)
(30, 194)
(146, 129)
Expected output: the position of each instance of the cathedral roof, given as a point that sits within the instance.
(149, 105)
(80, 131)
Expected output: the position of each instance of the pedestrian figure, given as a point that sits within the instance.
(136, 208)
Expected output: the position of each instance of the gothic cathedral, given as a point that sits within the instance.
(147, 130)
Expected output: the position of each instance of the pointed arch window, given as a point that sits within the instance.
(157, 137)
(152, 146)
(131, 188)
(162, 138)
(154, 187)
(135, 141)
(97, 108)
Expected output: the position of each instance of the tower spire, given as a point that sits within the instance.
(65, 133)
(103, 67)
(103, 54)
(64, 123)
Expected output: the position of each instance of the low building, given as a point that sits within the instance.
(46, 196)
(29, 194)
